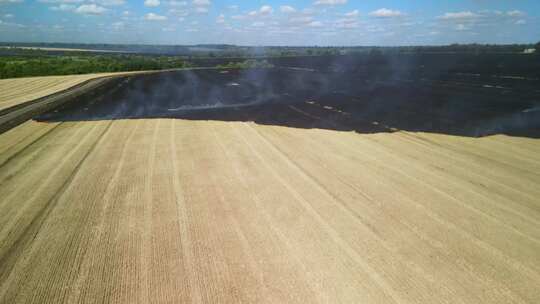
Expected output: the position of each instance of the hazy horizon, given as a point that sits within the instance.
(258, 46)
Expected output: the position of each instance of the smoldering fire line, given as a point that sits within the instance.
(396, 100)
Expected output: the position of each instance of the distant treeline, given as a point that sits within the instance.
(508, 60)
(225, 50)
(247, 64)
(27, 65)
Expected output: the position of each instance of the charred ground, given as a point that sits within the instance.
(380, 95)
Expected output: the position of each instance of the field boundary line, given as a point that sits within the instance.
(443, 192)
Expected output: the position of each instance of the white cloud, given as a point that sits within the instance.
(408, 23)
(220, 19)
(201, 10)
(329, 33)
(375, 29)
(63, 7)
(238, 17)
(308, 11)
(515, 13)
(178, 12)
(8, 16)
(461, 27)
(301, 20)
(10, 1)
(126, 13)
(201, 2)
(330, 2)
(154, 17)
(109, 2)
(151, 3)
(354, 13)
(90, 9)
(315, 24)
(521, 22)
(385, 13)
(266, 9)
(117, 25)
(233, 7)
(287, 9)
(346, 23)
(59, 1)
(176, 3)
(459, 15)
(257, 24)
(13, 25)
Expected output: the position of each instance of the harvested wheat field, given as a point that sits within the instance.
(16, 91)
(242, 193)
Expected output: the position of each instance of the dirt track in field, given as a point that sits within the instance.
(172, 210)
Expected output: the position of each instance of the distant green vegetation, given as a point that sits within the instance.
(247, 64)
(19, 60)
(233, 51)
(44, 65)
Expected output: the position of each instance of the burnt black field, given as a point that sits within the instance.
(383, 94)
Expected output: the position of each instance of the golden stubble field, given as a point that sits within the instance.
(16, 91)
(187, 211)
(167, 210)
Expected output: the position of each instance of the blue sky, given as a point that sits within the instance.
(271, 22)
